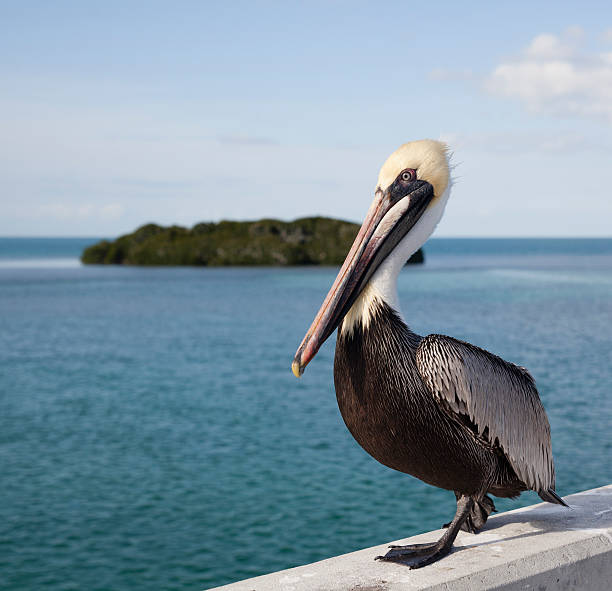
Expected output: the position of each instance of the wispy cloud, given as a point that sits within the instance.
(528, 142)
(557, 74)
(79, 211)
(444, 74)
(245, 140)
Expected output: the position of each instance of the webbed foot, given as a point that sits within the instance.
(419, 555)
(416, 555)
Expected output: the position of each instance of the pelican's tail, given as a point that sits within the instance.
(550, 496)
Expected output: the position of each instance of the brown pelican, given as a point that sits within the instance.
(443, 410)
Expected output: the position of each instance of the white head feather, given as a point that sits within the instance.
(430, 159)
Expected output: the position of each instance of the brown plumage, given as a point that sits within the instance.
(419, 406)
(451, 414)
(445, 411)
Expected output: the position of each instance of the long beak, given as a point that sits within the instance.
(388, 220)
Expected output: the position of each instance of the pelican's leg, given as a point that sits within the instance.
(436, 550)
(478, 516)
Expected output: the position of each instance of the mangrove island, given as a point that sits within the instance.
(269, 242)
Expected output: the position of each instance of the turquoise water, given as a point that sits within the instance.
(152, 435)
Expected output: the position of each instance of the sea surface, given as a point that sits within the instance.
(152, 435)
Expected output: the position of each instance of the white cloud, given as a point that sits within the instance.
(555, 74)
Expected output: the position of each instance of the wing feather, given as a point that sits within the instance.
(499, 398)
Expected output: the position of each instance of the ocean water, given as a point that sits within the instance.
(152, 435)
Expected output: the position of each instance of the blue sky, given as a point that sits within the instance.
(119, 113)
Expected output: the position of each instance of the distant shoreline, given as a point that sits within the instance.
(435, 238)
(315, 241)
(39, 252)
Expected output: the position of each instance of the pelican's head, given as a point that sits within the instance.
(409, 200)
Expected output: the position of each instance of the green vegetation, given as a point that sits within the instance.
(307, 241)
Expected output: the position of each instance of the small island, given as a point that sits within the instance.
(266, 242)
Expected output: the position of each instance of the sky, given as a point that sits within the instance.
(115, 114)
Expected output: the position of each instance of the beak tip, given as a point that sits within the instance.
(297, 369)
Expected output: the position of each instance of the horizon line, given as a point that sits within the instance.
(445, 237)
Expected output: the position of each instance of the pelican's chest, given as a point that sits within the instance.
(379, 391)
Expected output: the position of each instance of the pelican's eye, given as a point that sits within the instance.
(408, 175)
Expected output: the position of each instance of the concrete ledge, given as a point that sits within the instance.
(542, 547)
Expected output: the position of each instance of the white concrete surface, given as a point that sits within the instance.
(539, 548)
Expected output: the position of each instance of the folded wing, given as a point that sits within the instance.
(499, 398)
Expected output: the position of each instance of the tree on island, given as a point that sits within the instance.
(269, 242)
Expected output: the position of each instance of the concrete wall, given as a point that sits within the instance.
(541, 548)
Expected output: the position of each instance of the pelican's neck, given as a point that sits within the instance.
(382, 287)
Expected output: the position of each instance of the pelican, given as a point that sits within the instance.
(443, 410)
